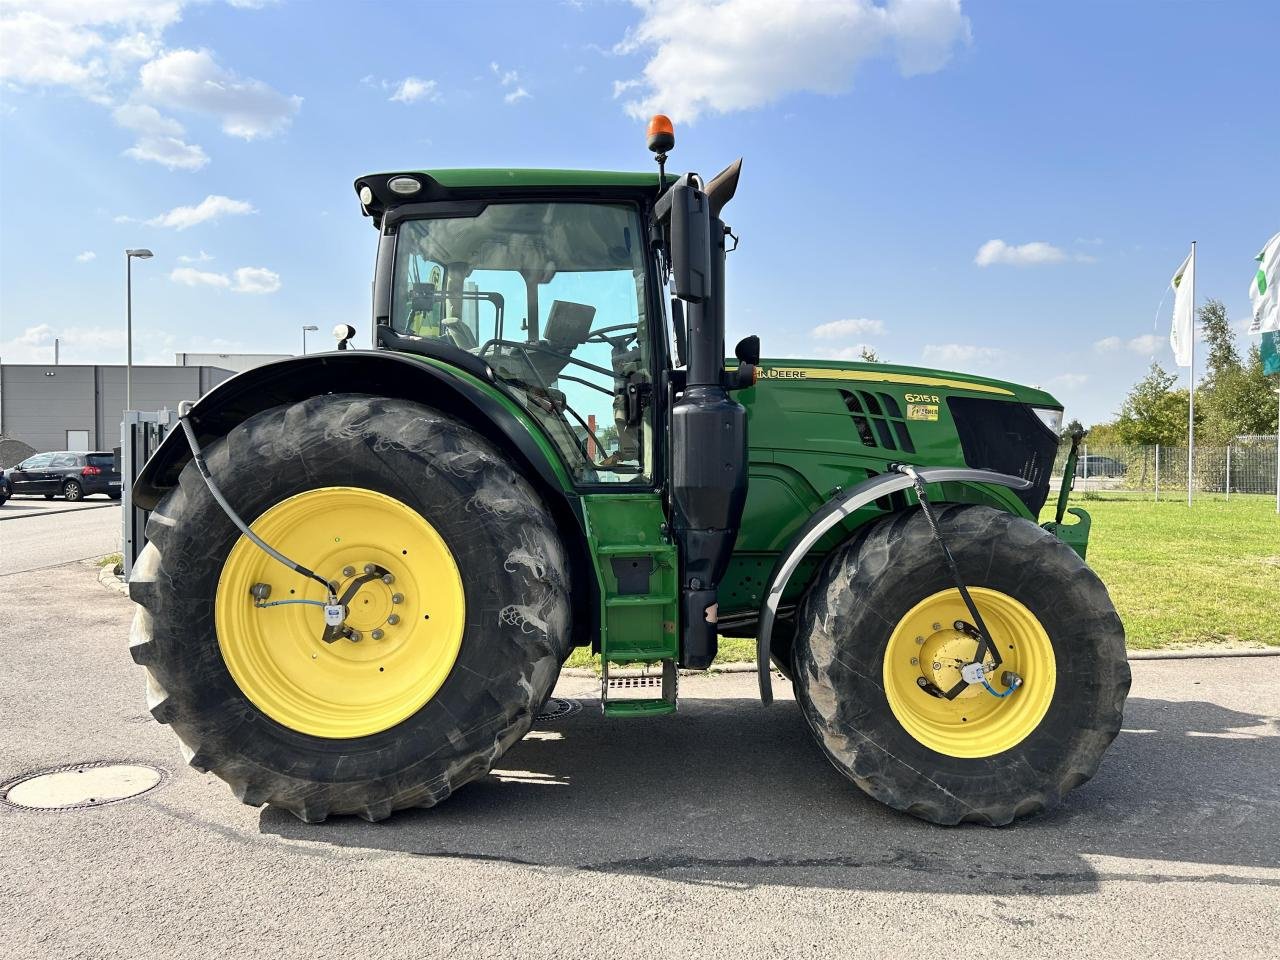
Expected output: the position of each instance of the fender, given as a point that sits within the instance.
(464, 394)
(829, 515)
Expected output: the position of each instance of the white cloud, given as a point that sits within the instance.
(256, 280)
(77, 344)
(242, 280)
(413, 89)
(844, 353)
(202, 257)
(718, 56)
(160, 138)
(961, 355)
(169, 152)
(1108, 344)
(192, 80)
(1020, 255)
(846, 328)
(510, 78)
(1148, 343)
(210, 208)
(86, 256)
(76, 44)
(191, 277)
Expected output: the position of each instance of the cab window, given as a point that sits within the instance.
(552, 296)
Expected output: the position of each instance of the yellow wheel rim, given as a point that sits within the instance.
(974, 724)
(410, 629)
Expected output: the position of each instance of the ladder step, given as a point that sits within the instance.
(637, 600)
(638, 708)
(638, 549)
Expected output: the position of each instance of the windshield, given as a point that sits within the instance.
(552, 297)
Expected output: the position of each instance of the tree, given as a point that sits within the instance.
(1154, 412)
(1075, 426)
(869, 355)
(1224, 358)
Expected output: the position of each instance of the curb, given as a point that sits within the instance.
(107, 577)
(54, 513)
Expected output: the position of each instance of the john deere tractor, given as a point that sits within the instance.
(366, 567)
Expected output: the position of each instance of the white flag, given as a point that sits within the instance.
(1184, 310)
(1264, 289)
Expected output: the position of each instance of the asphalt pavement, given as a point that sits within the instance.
(720, 832)
(36, 533)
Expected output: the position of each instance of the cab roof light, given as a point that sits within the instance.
(405, 186)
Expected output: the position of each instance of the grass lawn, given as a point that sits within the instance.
(1205, 575)
(1200, 575)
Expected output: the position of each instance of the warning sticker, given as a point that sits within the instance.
(922, 411)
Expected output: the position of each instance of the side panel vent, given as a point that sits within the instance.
(878, 419)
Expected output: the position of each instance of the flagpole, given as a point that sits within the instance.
(1191, 383)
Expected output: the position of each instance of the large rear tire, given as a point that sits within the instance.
(455, 653)
(876, 632)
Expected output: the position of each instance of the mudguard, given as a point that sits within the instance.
(829, 515)
(464, 394)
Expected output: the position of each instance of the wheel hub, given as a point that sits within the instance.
(929, 648)
(402, 625)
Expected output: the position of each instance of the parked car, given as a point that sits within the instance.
(6, 487)
(68, 474)
(1095, 465)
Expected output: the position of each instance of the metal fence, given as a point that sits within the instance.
(1247, 465)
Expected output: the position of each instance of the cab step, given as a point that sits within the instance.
(632, 693)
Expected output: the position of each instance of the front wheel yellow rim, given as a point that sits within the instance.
(925, 644)
(409, 623)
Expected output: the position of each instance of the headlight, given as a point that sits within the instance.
(1050, 418)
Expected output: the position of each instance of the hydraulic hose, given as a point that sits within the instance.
(184, 415)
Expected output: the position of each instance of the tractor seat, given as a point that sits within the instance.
(568, 326)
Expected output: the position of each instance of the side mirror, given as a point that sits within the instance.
(690, 241)
(748, 353)
(748, 350)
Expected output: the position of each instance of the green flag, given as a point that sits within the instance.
(1271, 352)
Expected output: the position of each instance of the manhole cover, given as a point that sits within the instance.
(557, 707)
(81, 785)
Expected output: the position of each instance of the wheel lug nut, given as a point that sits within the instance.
(915, 661)
(388, 579)
(397, 598)
(937, 627)
(937, 665)
(377, 634)
(355, 636)
(393, 619)
(370, 568)
(920, 640)
(348, 571)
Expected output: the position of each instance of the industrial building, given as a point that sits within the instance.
(79, 407)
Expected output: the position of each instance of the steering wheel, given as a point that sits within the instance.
(598, 336)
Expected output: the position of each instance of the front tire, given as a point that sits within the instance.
(259, 698)
(875, 633)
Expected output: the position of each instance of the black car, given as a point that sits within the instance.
(71, 475)
(1095, 465)
(6, 487)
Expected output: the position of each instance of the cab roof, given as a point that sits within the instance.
(478, 182)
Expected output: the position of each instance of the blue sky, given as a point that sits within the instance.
(887, 148)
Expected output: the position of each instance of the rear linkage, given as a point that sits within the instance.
(976, 671)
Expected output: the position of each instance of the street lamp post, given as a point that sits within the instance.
(129, 255)
(305, 329)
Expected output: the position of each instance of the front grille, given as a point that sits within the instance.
(1007, 437)
(878, 419)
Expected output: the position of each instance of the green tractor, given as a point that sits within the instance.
(366, 567)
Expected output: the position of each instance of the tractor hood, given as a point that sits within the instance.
(904, 377)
